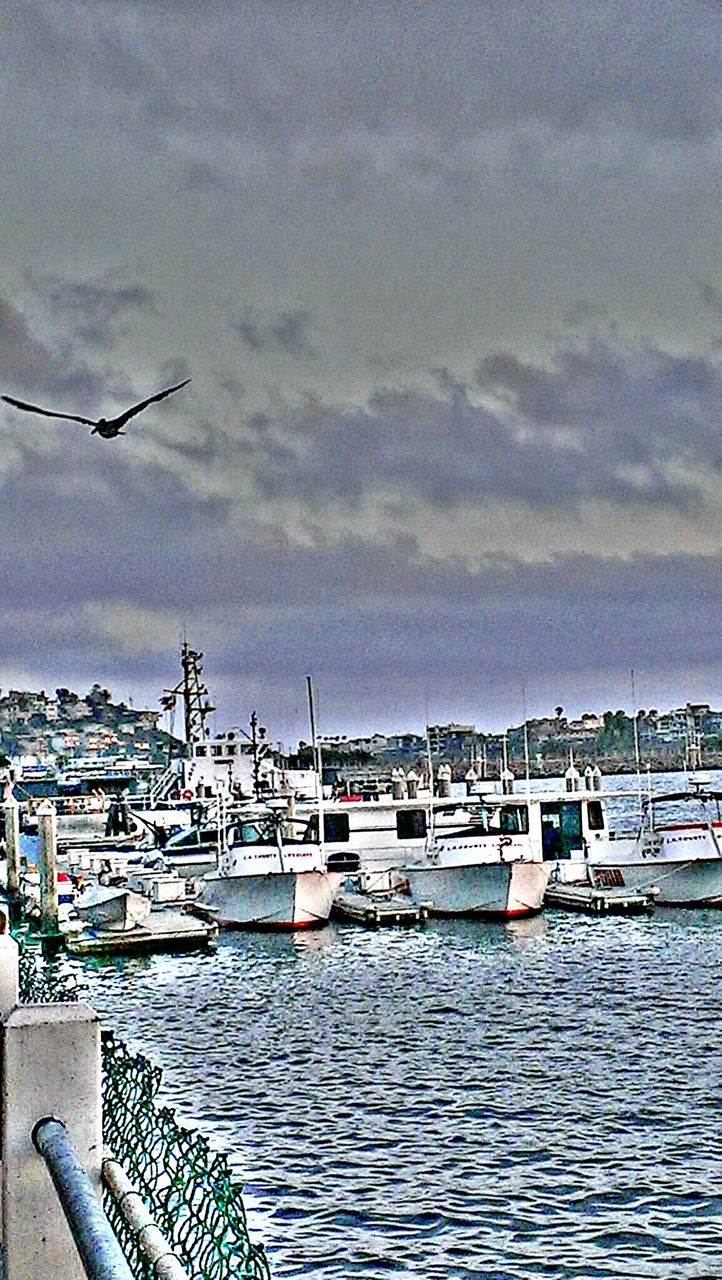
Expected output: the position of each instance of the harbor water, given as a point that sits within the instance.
(540, 1098)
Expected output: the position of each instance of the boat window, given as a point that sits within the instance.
(335, 828)
(254, 833)
(511, 820)
(411, 824)
(201, 751)
(595, 815)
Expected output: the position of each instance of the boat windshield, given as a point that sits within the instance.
(677, 808)
(495, 820)
(259, 831)
(506, 819)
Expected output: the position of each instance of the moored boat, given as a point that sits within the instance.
(268, 879)
(676, 850)
(492, 866)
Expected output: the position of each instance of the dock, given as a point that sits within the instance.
(376, 910)
(593, 901)
(163, 931)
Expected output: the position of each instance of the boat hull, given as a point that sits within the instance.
(691, 883)
(496, 890)
(285, 900)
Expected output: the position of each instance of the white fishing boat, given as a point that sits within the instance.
(675, 850)
(266, 879)
(492, 866)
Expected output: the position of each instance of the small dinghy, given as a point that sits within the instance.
(113, 907)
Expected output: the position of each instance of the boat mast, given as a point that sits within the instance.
(431, 834)
(317, 764)
(196, 706)
(637, 760)
(527, 773)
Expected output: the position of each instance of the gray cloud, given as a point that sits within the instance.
(31, 365)
(92, 309)
(287, 332)
(264, 69)
(598, 422)
(472, 248)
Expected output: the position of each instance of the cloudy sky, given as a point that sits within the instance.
(446, 277)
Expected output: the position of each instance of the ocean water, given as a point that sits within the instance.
(538, 1098)
(541, 1098)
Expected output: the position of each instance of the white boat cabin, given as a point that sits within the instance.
(554, 826)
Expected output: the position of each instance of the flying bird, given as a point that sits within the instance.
(108, 428)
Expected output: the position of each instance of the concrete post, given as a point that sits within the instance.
(51, 1067)
(48, 831)
(11, 810)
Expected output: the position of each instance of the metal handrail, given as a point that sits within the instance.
(149, 1239)
(94, 1237)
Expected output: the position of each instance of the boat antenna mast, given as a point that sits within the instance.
(317, 763)
(193, 692)
(637, 753)
(260, 748)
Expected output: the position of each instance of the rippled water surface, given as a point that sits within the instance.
(535, 1099)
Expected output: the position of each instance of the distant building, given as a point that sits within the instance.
(452, 739)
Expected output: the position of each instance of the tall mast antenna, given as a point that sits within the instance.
(193, 692)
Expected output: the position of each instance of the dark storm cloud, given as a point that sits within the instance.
(378, 631)
(91, 309)
(332, 156)
(57, 367)
(598, 422)
(287, 332)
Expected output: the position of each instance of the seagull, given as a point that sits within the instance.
(108, 428)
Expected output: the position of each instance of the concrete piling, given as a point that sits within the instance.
(11, 811)
(48, 832)
(51, 1067)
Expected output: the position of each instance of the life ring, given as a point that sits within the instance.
(187, 794)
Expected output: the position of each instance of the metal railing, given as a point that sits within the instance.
(98, 1246)
(99, 1250)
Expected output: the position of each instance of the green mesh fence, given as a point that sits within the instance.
(42, 983)
(188, 1188)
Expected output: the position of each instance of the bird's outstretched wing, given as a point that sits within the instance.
(48, 413)
(137, 408)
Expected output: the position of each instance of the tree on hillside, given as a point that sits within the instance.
(98, 700)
